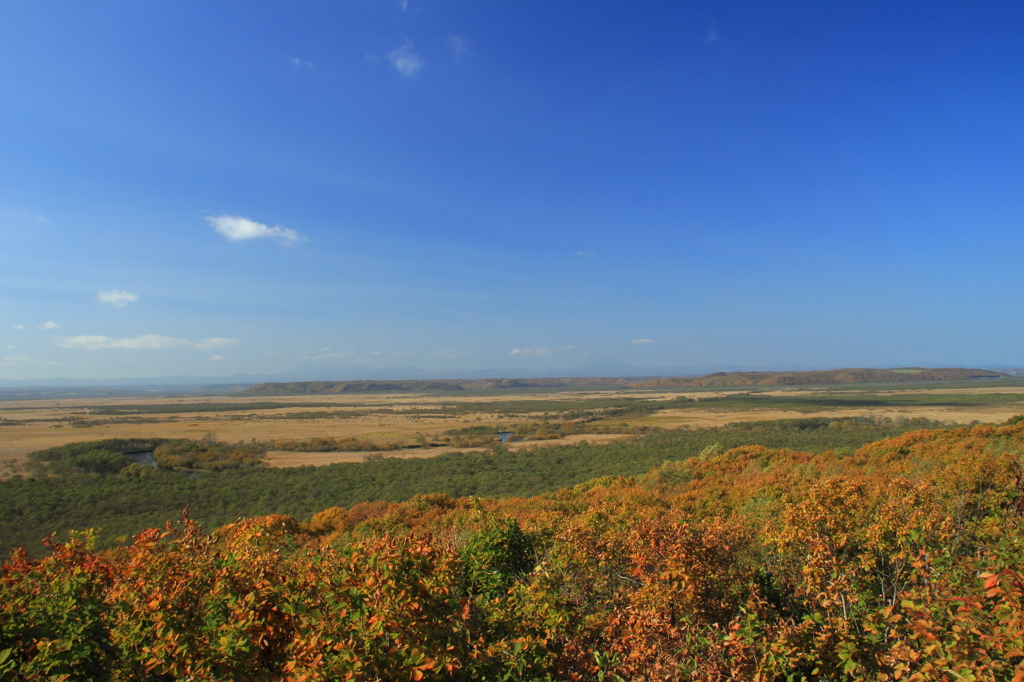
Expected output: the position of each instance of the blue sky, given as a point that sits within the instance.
(210, 188)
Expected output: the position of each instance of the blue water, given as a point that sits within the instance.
(143, 458)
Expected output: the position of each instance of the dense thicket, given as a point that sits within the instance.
(901, 560)
(122, 505)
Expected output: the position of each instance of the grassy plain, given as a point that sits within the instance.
(405, 421)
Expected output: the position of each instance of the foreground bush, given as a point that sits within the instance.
(901, 561)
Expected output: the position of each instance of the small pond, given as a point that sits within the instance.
(143, 458)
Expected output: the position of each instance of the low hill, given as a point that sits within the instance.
(338, 387)
(832, 376)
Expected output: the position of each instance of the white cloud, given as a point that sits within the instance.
(236, 228)
(148, 341)
(49, 325)
(19, 326)
(711, 36)
(584, 253)
(534, 350)
(216, 357)
(324, 355)
(642, 341)
(405, 60)
(118, 299)
(215, 342)
(458, 46)
(19, 360)
(301, 63)
(145, 341)
(450, 353)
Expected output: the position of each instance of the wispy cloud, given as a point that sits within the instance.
(19, 360)
(405, 60)
(236, 228)
(450, 353)
(216, 357)
(298, 63)
(215, 342)
(642, 341)
(143, 342)
(48, 325)
(327, 354)
(118, 299)
(712, 35)
(19, 326)
(533, 350)
(584, 253)
(146, 341)
(458, 45)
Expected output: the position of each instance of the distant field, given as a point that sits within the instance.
(406, 419)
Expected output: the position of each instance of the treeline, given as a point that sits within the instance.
(901, 560)
(476, 436)
(123, 504)
(327, 444)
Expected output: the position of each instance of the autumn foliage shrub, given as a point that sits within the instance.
(903, 560)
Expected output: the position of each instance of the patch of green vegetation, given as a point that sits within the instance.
(96, 457)
(208, 454)
(112, 456)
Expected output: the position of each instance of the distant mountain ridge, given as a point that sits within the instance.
(831, 376)
(727, 379)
